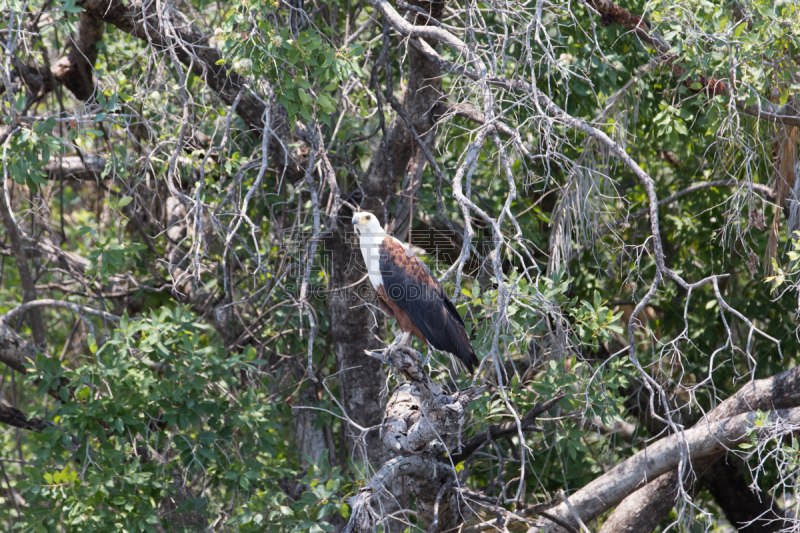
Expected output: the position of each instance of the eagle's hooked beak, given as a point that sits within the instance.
(355, 220)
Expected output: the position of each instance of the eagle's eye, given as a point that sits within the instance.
(369, 217)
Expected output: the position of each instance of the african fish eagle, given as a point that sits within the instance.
(409, 293)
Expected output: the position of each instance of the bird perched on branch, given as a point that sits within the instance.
(409, 293)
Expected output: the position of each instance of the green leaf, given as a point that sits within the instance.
(92, 343)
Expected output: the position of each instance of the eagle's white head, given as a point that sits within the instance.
(367, 224)
(370, 236)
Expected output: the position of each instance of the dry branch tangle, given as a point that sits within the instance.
(194, 50)
(610, 12)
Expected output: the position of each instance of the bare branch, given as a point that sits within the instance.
(206, 62)
(75, 308)
(14, 417)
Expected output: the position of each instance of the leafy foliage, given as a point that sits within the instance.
(185, 414)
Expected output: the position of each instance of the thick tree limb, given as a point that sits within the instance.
(14, 417)
(665, 455)
(419, 418)
(722, 428)
(639, 513)
(420, 106)
(14, 350)
(420, 411)
(749, 512)
(87, 168)
(75, 308)
(75, 69)
(720, 482)
(194, 49)
(778, 392)
(363, 518)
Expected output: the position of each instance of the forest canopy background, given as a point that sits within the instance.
(608, 192)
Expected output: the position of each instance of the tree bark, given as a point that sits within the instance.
(639, 513)
(421, 102)
(707, 439)
(14, 417)
(420, 419)
(87, 168)
(353, 321)
(14, 350)
(74, 70)
(313, 442)
(726, 483)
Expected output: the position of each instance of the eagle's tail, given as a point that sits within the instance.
(462, 346)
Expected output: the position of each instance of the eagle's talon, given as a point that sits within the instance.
(385, 355)
(424, 362)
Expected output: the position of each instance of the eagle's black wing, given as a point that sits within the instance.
(409, 283)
